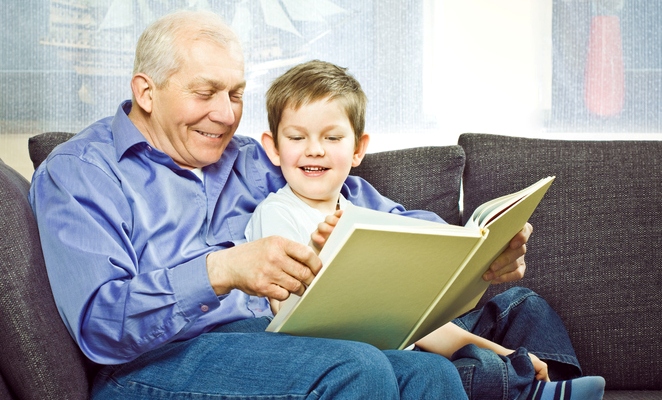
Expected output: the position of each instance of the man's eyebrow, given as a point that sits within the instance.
(215, 84)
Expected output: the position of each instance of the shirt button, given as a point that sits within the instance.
(204, 308)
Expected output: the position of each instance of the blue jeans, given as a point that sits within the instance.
(241, 361)
(521, 320)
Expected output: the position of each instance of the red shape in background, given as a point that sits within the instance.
(604, 89)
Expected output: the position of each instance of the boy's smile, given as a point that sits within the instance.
(316, 150)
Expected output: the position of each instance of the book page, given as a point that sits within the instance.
(488, 211)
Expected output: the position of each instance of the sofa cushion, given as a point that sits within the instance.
(4, 390)
(38, 358)
(41, 145)
(422, 178)
(596, 251)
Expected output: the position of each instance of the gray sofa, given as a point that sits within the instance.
(594, 255)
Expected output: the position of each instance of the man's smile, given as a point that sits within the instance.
(210, 135)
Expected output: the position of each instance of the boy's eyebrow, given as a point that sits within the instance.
(325, 129)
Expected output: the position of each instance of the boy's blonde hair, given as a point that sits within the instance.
(316, 80)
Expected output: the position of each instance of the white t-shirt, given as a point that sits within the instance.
(284, 214)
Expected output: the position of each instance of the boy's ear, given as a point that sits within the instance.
(141, 86)
(270, 147)
(360, 150)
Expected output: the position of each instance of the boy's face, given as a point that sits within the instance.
(316, 150)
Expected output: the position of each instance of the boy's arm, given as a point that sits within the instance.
(450, 338)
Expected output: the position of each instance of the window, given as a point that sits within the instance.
(432, 69)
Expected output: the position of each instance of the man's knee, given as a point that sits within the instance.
(425, 375)
(359, 368)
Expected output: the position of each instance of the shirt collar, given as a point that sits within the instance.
(125, 133)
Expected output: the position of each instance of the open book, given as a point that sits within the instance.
(389, 280)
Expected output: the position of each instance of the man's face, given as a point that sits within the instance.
(196, 113)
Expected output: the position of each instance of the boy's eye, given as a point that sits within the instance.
(334, 138)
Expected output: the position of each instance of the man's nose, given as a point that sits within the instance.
(222, 110)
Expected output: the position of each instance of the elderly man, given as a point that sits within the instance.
(142, 215)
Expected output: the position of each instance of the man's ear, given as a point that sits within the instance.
(141, 86)
(270, 147)
(360, 150)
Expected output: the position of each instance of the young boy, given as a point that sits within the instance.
(316, 114)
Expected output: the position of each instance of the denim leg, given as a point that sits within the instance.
(489, 376)
(424, 375)
(241, 361)
(521, 320)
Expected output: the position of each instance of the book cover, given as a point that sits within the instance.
(388, 280)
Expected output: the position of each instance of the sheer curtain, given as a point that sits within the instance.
(432, 69)
(564, 68)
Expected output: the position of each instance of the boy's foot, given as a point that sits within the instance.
(584, 388)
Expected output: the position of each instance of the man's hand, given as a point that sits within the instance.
(271, 267)
(510, 266)
(324, 229)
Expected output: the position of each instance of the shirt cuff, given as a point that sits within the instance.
(193, 292)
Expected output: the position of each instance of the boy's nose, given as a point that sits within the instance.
(314, 148)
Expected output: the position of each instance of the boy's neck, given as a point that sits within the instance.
(326, 207)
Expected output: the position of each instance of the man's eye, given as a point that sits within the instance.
(205, 95)
(237, 96)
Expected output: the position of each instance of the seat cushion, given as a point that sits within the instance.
(422, 178)
(38, 357)
(596, 250)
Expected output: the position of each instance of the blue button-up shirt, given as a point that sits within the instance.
(125, 234)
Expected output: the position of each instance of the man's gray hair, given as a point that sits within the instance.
(159, 48)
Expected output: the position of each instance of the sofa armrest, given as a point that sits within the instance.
(38, 357)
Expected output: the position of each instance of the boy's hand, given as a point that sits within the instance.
(275, 305)
(324, 229)
(540, 367)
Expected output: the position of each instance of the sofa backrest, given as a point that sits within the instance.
(38, 357)
(596, 250)
(422, 178)
(40, 146)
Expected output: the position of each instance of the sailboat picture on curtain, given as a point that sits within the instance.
(98, 37)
